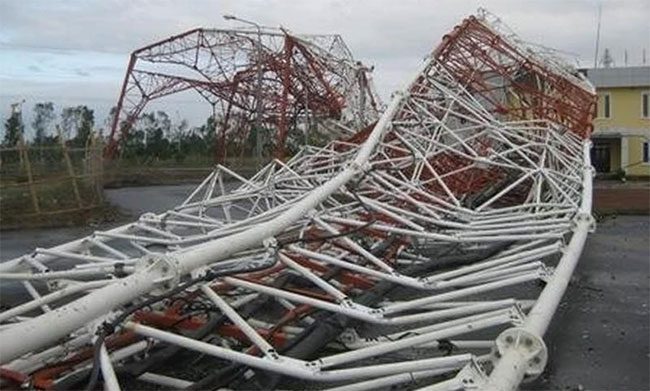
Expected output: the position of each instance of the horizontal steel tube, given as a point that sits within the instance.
(297, 368)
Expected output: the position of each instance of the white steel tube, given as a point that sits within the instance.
(49, 328)
(408, 342)
(298, 368)
(394, 277)
(166, 381)
(412, 304)
(384, 382)
(510, 369)
(340, 296)
(30, 305)
(108, 374)
(234, 317)
(35, 361)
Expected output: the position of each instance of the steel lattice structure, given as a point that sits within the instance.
(488, 56)
(286, 78)
(430, 250)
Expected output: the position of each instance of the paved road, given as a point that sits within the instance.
(599, 339)
(133, 201)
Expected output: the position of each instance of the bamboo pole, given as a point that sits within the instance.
(71, 173)
(94, 157)
(30, 178)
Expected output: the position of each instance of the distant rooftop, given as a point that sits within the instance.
(618, 77)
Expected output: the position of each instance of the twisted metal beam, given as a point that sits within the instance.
(313, 78)
(410, 252)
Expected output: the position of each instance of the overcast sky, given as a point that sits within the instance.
(75, 51)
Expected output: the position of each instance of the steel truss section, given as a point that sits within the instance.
(487, 55)
(430, 250)
(303, 82)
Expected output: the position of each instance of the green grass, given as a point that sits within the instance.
(56, 199)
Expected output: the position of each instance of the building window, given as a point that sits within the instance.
(646, 152)
(645, 105)
(603, 106)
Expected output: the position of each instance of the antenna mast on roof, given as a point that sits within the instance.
(607, 59)
(600, 10)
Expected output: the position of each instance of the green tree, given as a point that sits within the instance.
(204, 138)
(157, 127)
(108, 122)
(178, 135)
(77, 124)
(133, 147)
(86, 125)
(68, 125)
(14, 128)
(43, 117)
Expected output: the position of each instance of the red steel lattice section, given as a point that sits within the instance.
(310, 78)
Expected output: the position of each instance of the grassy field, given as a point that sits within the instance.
(168, 172)
(49, 186)
(61, 193)
(49, 203)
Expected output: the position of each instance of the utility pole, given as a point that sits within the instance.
(258, 89)
(607, 60)
(219, 154)
(600, 10)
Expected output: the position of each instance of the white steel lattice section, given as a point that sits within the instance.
(400, 255)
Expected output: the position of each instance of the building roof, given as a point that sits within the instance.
(618, 77)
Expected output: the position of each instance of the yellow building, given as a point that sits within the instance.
(622, 125)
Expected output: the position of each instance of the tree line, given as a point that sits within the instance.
(75, 125)
(153, 136)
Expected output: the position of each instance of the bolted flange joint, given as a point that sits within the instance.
(164, 268)
(348, 337)
(270, 244)
(472, 376)
(585, 217)
(531, 346)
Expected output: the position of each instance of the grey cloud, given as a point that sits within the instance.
(81, 72)
(394, 35)
(374, 27)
